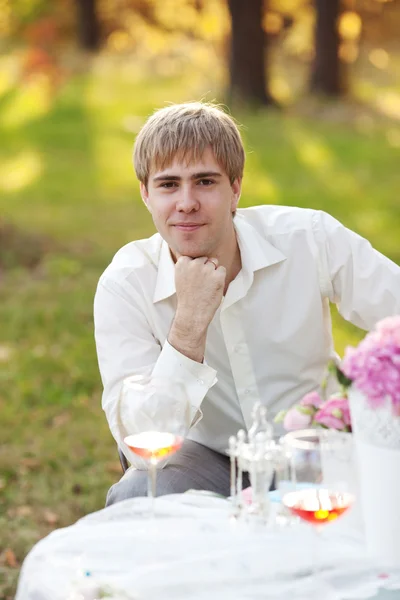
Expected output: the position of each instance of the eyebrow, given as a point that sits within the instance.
(200, 175)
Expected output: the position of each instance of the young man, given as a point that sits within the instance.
(234, 304)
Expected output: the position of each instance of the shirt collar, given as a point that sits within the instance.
(256, 253)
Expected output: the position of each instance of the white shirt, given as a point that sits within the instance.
(271, 338)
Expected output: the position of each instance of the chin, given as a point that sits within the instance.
(190, 251)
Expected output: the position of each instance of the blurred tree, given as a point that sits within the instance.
(88, 24)
(199, 5)
(248, 53)
(327, 76)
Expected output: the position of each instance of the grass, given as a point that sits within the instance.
(66, 177)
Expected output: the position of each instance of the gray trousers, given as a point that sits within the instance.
(193, 467)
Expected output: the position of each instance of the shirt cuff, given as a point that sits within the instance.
(197, 377)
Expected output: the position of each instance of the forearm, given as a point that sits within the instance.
(188, 336)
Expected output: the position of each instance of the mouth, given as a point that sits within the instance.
(187, 226)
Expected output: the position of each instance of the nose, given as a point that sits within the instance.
(187, 201)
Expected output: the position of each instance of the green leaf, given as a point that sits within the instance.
(280, 416)
(305, 410)
(318, 425)
(332, 367)
(342, 379)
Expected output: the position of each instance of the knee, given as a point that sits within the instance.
(132, 485)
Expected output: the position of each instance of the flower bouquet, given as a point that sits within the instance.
(367, 409)
(331, 413)
(372, 371)
(374, 366)
(315, 410)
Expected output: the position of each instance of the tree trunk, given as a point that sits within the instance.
(328, 71)
(248, 52)
(88, 25)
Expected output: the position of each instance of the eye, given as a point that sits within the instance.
(167, 185)
(206, 182)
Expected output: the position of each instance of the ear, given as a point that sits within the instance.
(145, 195)
(237, 190)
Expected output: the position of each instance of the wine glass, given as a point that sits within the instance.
(284, 483)
(159, 425)
(318, 497)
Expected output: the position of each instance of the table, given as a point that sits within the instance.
(194, 551)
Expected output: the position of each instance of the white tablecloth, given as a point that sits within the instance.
(193, 551)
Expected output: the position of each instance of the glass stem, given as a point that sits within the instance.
(239, 487)
(151, 484)
(315, 551)
(234, 495)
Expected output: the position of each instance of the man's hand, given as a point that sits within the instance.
(199, 286)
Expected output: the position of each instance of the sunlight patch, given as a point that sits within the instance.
(7, 80)
(6, 353)
(20, 171)
(393, 137)
(379, 58)
(389, 104)
(281, 90)
(371, 222)
(312, 152)
(262, 186)
(320, 159)
(33, 101)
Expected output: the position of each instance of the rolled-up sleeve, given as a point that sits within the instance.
(365, 284)
(126, 346)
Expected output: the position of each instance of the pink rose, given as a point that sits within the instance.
(334, 414)
(312, 399)
(294, 419)
(329, 421)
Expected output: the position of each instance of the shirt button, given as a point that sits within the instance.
(200, 382)
(247, 391)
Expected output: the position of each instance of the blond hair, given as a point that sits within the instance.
(186, 130)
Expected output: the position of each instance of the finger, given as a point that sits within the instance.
(183, 259)
(200, 260)
(221, 273)
(213, 261)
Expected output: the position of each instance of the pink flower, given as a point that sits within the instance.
(389, 329)
(312, 399)
(324, 418)
(294, 419)
(334, 414)
(374, 366)
(247, 495)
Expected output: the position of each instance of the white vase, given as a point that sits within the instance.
(339, 465)
(376, 434)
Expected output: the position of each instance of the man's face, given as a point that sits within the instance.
(192, 206)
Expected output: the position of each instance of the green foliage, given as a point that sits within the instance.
(27, 11)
